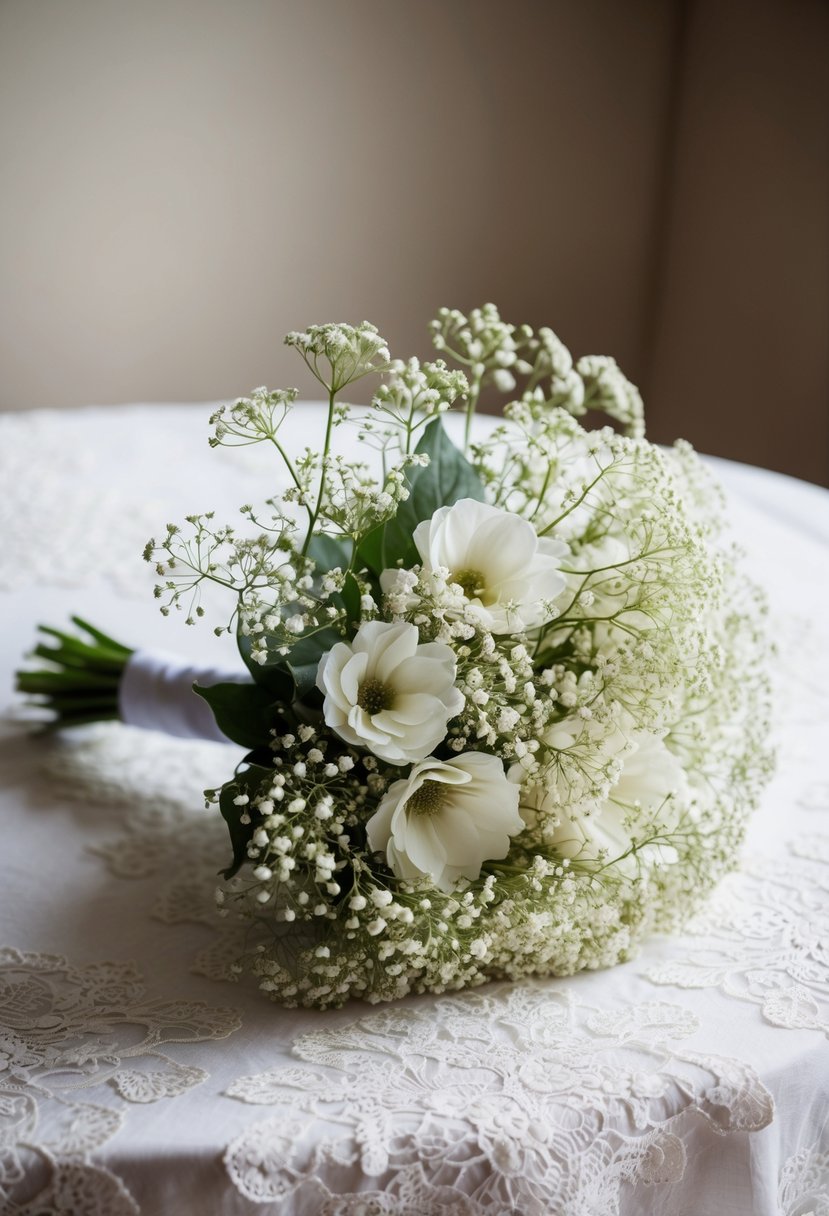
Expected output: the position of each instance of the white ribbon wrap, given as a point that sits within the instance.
(156, 693)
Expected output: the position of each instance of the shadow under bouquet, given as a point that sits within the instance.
(505, 709)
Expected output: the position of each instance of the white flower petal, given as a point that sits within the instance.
(423, 845)
(471, 820)
(456, 532)
(417, 737)
(365, 726)
(350, 677)
(504, 547)
(401, 865)
(391, 726)
(643, 794)
(421, 673)
(412, 708)
(516, 572)
(455, 832)
(384, 693)
(379, 827)
(552, 548)
(491, 816)
(391, 649)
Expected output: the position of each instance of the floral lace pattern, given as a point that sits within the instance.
(804, 1184)
(45, 451)
(157, 784)
(520, 1100)
(44, 543)
(66, 1028)
(763, 938)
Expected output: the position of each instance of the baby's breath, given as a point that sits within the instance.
(654, 647)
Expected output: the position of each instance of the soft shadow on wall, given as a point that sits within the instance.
(186, 180)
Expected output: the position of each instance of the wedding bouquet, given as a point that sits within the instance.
(507, 708)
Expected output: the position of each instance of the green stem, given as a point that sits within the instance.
(102, 638)
(577, 503)
(326, 449)
(63, 681)
(294, 477)
(471, 406)
(81, 682)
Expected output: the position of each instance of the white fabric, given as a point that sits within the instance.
(156, 693)
(692, 1081)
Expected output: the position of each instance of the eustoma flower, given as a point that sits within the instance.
(642, 805)
(508, 573)
(389, 693)
(446, 819)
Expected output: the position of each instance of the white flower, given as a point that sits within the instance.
(644, 800)
(508, 573)
(387, 692)
(446, 819)
(351, 351)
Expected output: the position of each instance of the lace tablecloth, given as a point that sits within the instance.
(139, 1073)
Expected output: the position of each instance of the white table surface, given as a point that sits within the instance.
(692, 1081)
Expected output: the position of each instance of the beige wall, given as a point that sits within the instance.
(741, 335)
(185, 180)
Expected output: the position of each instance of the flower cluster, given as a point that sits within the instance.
(508, 709)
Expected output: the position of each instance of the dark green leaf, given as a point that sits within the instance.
(371, 551)
(350, 599)
(247, 782)
(244, 713)
(273, 674)
(305, 657)
(330, 551)
(448, 477)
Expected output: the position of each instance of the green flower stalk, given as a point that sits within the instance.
(80, 682)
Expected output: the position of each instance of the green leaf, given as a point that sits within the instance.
(279, 672)
(305, 657)
(247, 781)
(371, 550)
(274, 674)
(447, 478)
(290, 677)
(329, 551)
(244, 713)
(349, 598)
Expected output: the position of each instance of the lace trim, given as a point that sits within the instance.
(520, 1100)
(804, 1184)
(762, 938)
(65, 1028)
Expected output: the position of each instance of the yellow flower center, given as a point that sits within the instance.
(472, 583)
(374, 696)
(428, 799)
